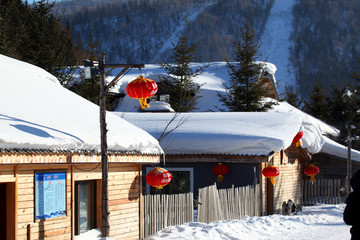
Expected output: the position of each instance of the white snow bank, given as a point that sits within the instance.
(159, 106)
(315, 222)
(38, 113)
(93, 234)
(242, 133)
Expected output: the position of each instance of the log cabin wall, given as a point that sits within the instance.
(124, 198)
(288, 183)
(332, 167)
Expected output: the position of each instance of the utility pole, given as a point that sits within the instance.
(348, 163)
(104, 89)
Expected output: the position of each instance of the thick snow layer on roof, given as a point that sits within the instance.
(38, 113)
(243, 133)
(325, 128)
(336, 149)
(211, 80)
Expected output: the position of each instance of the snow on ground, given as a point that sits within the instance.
(315, 222)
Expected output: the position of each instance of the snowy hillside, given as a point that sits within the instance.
(306, 40)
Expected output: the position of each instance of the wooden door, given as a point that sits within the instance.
(3, 211)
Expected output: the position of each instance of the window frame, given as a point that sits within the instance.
(93, 192)
(173, 169)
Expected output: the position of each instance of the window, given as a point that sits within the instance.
(85, 206)
(182, 182)
(165, 97)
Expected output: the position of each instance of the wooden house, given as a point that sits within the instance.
(245, 142)
(50, 166)
(333, 160)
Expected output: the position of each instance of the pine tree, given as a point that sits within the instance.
(356, 75)
(90, 88)
(35, 35)
(317, 106)
(292, 97)
(179, 82)
(343, 113)
(245, 91)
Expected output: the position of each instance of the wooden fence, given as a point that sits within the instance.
(326, 191)
(163, 210)
(225, 204)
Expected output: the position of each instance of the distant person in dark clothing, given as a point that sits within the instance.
(352, 209)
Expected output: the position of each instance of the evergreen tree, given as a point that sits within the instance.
(35, 35)
(344, 114)
(179, 82)
(13, 15)
(245, 91)
(90, 88)
(356, 75)
(292, 97)
(317, 106)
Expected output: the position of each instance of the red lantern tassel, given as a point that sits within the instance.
(143, 104)
(312, 178)
(220, 178)
(273, 181)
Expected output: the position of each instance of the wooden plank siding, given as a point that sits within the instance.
(288, 183)
(124, 196)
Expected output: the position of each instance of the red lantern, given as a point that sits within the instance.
(297, 138)
(271, 172)
(311, 171)
(220, 170)
(142, 88)
(158, 177)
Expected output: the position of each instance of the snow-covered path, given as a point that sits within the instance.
(275, 41)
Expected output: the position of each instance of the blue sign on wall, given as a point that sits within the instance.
(50, 195)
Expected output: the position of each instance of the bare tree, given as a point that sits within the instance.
(167, 130)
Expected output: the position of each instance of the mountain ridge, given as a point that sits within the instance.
(323, 39)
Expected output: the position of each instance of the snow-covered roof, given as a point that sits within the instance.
(336, 149)
(211, 80)
(36, 112)
(237, 133)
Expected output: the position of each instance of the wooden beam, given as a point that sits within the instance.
(125, 67)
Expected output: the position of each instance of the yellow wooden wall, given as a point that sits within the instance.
(124, 199)
(289, 182)
(55, 228)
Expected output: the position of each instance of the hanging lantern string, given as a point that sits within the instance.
(140, 71)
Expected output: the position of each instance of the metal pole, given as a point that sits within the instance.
(104, 159)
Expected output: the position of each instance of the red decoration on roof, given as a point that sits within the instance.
(297, 138)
